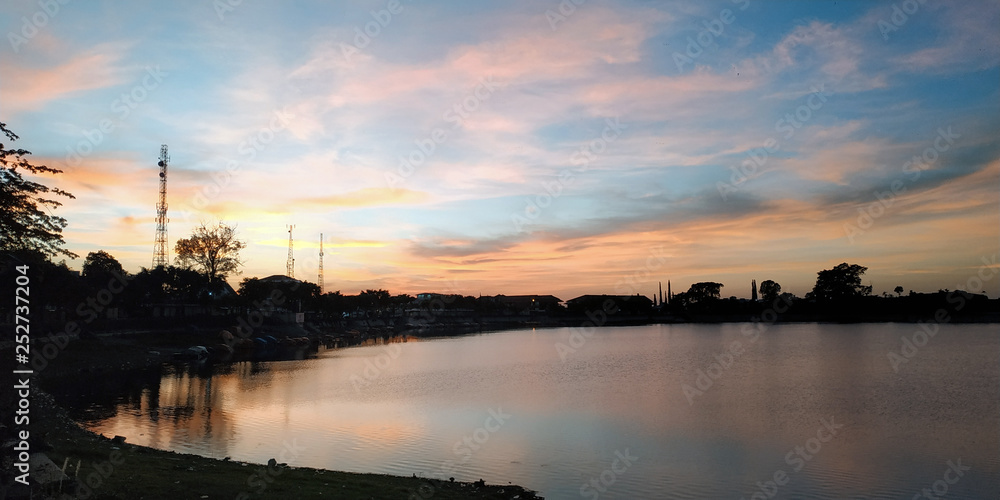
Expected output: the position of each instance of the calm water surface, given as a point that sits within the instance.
(817, 407)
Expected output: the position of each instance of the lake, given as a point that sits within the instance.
(809, 410)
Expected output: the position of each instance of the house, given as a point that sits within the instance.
(621, 304)
(529, 303)
(280, 279)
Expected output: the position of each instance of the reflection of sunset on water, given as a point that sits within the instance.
(428, 409)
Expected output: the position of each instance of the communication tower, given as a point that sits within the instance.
(320, 278)
(160, 245)
(290, 265)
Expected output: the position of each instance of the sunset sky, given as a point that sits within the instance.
(526, 147)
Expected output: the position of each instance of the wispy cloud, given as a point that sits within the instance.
(544, 95)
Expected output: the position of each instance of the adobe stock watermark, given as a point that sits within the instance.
(868, 214)
(260, 479)
(580, 160)
(578, 335)
(631, 283)
(706, 37)
(705, 378)
(248, 149)
(464, 448)
(223, 7)
(596, 318)
(363, 36)
(437, 305)
(787, 126)
(456, 114)
(900, 15)
(47, 11)
(87, 311)
(925, 331)
(122, 107)
(562, 12)
(797, 458)
(374, 369)
(939, 488)
(622, 462)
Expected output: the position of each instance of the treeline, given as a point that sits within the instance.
(103, 293)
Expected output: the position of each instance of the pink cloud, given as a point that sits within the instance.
(30, 88)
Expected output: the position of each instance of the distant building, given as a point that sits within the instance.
(529, 303)
(626, 304)
(280, 279)
(446, 298)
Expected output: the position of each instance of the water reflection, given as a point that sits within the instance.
(424, 408)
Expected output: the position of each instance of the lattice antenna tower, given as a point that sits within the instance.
(320, 277)
(160, 245)
(290, 264)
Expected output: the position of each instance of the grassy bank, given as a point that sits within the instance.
(116, 470)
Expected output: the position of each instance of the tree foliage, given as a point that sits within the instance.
(100, 264)
(704, 291)
(26, 221)
(165, 284)
(769, 290)
(289, 294)
(375, 299)
(213, 250)
(841, 282)
(101, 268)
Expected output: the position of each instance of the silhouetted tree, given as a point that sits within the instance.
(374, 300)
(99, 267)
(332, 303)
(704, 291)
(56, 291)
(303, 297)
(769, 290)
(165, 284)
(26, 222)
(253, 290)
(291, 294)
(215, 250)
(898, 290)
(401, 302)
(101, 271)
(680, 299)
(841, 282)
(402, 299)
